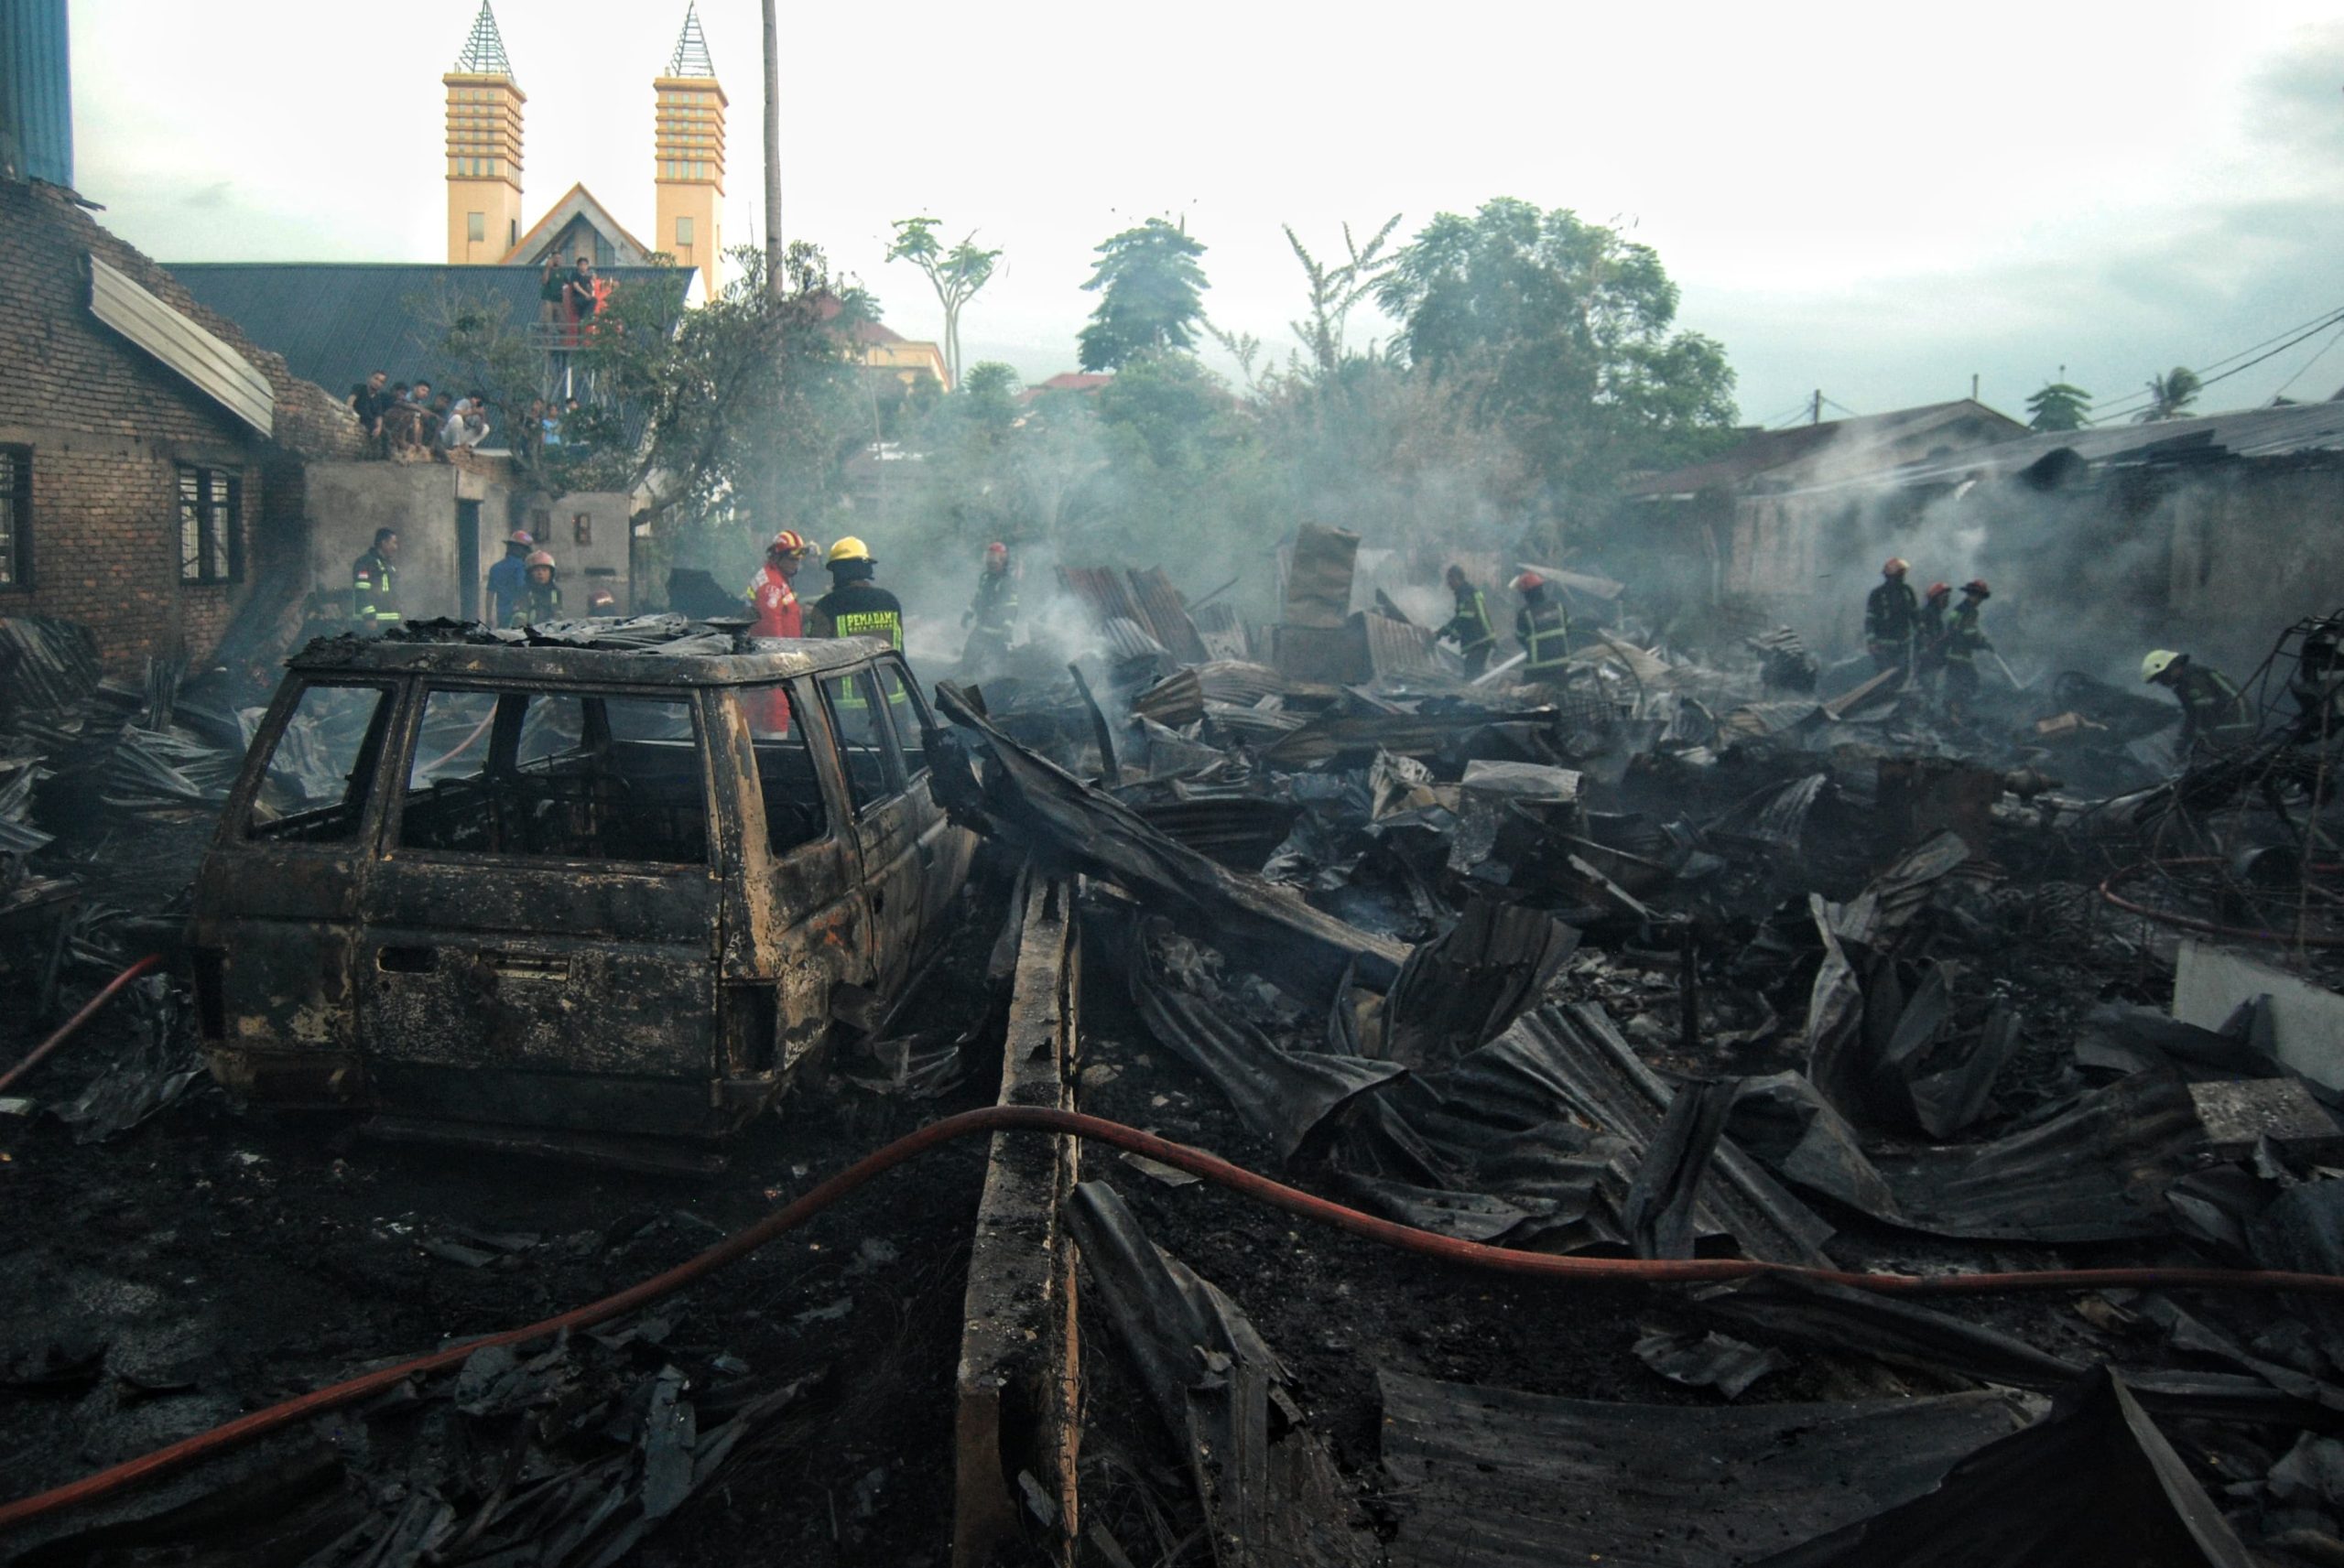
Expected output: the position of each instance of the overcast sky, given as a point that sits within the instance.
(1869, 200)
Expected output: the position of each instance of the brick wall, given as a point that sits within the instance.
(109, 429)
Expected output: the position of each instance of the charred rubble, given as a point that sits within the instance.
(1697, 953)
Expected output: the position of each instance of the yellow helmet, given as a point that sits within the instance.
(2159, 661)
(847, 549)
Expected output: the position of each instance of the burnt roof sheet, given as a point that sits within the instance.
(653, 650)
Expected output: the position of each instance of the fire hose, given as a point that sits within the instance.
(71, 1025)
(1038, 1119)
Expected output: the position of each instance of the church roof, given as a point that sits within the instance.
(337, 322)
(577, 202)
(484, 48)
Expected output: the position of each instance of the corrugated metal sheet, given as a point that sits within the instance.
(36, 104)
(1160, 602)
(1398, 651)
(209, 363)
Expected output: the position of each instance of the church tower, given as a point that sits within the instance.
(690, 174)
(484, 148)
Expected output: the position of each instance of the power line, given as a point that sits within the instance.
(2332, 319)
(2316, 358)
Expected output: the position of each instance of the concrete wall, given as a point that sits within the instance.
(588, 531)
(348, 501)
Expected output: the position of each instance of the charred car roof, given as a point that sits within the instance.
(660, 650)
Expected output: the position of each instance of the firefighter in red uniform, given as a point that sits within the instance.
(778, 614)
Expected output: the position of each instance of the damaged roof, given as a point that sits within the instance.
(1801, 451)
(657, 650)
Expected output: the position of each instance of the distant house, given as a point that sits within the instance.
(1717, 531)
(909, 360)
(1078, 381)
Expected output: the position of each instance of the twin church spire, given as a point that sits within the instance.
(484, 151)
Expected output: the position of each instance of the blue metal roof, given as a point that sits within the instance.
(336, 322)
(35, 92)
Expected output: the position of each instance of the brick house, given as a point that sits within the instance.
(152, 460)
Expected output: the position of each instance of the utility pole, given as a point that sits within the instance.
(1815, 416)
(775, 283)
(1973, 386)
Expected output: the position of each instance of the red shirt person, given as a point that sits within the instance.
(778, 614)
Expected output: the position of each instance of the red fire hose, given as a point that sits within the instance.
(89, 1010)
(1036, 1118)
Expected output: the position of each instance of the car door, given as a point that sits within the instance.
(277, 901)
(886, 831)
(945, 850)
(538, 941)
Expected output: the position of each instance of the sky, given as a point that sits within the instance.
(1875, 203)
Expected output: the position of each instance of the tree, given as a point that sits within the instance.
(1151, 296)
(2058, 406)
(2170, 395)
(1559, 329)
(956, 275)
(992, 388)
(1334, 290)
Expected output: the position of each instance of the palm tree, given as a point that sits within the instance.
(2170, 395)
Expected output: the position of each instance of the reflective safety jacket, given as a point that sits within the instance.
(539, 603)
(995, 609)
(1963, 640)
(1891, 612)
(2212, 709)
(373, 591)
(774, 603)
(862, 610)
(1470, 627)
(1544, 630)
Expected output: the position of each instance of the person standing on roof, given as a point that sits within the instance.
(540, 595)
(856, 606)
(991, 616)
(1470, 628)
(1542, 628)
(375, 584)
(508, 579)
(1892, 615)
(2214, 716)
(1963, 643)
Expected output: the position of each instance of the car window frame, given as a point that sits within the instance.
(898, 784)
(381, 739)
(503, 743)
(920, 715)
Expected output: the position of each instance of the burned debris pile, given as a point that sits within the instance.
(1676, 956)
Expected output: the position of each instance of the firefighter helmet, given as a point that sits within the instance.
(2159, 661)
(1527, 581)
(1940, 590)
(847, 549)
(788, 542)
(1897, 567)
(541, 557)
(998, 550)
(519, 536)
(1977, 584)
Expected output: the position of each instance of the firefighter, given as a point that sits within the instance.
(773, 593)
(1470, 628)
(509, 577)
(991, 616)
(375, 584)
(1892, 613)
(855, 606)
(1963, 643)
(1928, 640)
(1542, 628)
(540, 593)
(2214, 716)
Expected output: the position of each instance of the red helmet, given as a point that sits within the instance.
(1940, 590)
(787, 543)
(541, 557)
(519, 536)
(997, 549)
(1897, 566)
(1977, 584)
(1527, 581)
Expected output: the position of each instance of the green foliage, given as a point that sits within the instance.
(1334, 290)
(1151, 296)
(992, 388)
(2170, 395)
(2058, 406)
(956, 275)
(1558, 330)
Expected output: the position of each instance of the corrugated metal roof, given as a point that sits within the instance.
(209, 365)
(35, 92)
(1836, 440)
(2245, 433)
(336, 323)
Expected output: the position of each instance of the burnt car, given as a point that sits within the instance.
(580, 895)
